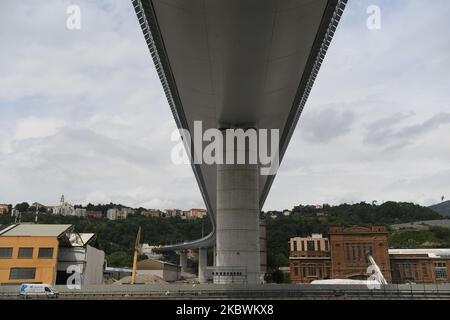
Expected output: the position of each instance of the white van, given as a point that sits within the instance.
(30, 290)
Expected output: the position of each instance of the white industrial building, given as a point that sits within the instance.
(78, 254)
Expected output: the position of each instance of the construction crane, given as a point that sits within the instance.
(137, 250)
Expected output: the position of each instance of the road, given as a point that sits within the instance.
(267, 291)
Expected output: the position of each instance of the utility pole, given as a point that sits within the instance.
(37, 213)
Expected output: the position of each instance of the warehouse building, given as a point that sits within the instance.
(41, 253)
(167, 271)
(420, 265)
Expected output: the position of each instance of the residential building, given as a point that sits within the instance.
(4, 209)
(94, 214)
(195, 213)
(172, 213)
(119, 213)
(40, 253)
(80, 212)
(152, 213)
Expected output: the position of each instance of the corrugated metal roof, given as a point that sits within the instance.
(37, 230)
(432, 253)
(425, 250)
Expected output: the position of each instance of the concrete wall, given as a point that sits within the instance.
(95, 260)
(158, 273)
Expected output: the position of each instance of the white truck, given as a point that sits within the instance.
(34, 290)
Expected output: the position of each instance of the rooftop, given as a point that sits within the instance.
(36, 230)
(432, 253)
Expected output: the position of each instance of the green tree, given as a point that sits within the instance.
(22, 207)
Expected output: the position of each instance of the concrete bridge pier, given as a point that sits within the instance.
(237, 241)
(202, 264)
(183, 260)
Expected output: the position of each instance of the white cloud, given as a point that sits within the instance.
(83, 112)
(394, 81)
(35, 127)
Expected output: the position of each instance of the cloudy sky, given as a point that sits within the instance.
(82, 112)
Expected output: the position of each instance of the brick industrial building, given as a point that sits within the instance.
(343, 256)
(310, 258)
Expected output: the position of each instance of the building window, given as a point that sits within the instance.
(295, 267)
(440, 273)
(6, 253)
(45, 253)
(326, 245)
(360, 252)
(295, 245)
(347, 251)
(25, 253)
(367, 249)
(311, 271)
(424, 270)
(354, 252)
(310, 245)
(407, 272)
(318, 246)
(303, 245)
(22, 273)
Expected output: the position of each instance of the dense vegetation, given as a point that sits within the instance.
(117, 238)
(436, 237)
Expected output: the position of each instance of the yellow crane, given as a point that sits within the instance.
(137, 250)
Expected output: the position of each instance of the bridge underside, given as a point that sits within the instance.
(237, 63)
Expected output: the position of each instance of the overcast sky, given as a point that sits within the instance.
(82, 113)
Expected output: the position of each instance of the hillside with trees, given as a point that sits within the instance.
(117, 238)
